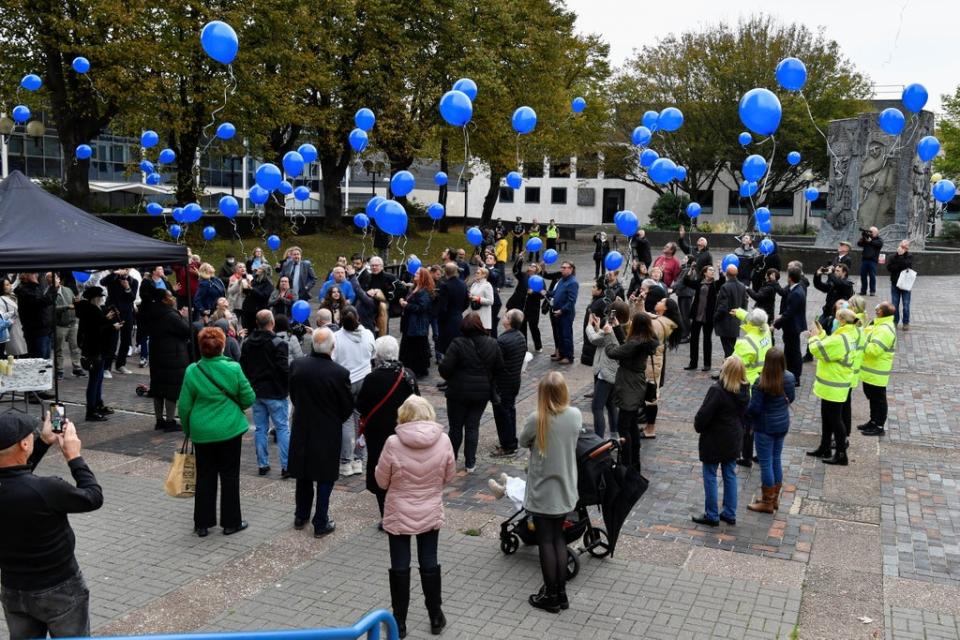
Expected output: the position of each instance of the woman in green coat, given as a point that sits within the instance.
(212, 402)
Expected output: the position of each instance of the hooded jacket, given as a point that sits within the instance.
(354, 350)
(413, 468)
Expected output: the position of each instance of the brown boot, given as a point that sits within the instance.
(765, 503)
(776, 495)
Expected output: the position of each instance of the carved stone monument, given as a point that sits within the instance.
(877, 180)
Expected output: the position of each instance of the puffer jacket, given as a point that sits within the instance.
(771, 414)
(469, 365)
(513, 347)
(604, 366)
(630, 386)
(663, 327)
(719, 421)
(414, 466)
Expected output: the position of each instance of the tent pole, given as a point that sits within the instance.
(186, 287)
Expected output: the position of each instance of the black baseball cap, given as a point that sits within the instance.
(15, 426)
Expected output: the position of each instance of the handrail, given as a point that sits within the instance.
(368, 625)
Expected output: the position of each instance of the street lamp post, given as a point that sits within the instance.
(467, 177)
(373, 169)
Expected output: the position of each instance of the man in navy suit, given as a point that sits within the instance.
(793, 319)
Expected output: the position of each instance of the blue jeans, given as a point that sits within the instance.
(95, 387)
(769, 447)
(896, 297)
(265, 410)
(39, 346)
(868, 275)
(62, 610)
(729, 489)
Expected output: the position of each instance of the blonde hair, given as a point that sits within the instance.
(847, 316)
(484, 271)
(733, 375)
(858, 304)
(206, 271)
(415, 409)
(552, 398)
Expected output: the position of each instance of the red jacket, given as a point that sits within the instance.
(194, 282)
(670, 266)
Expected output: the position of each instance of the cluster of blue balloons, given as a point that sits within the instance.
(456, 105)
(219, 41)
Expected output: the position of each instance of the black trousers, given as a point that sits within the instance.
(727, 344)
(426, 550)
(517, 247)
(533, 324)
(464, 417)
(878, 403)
(846, 414)
(628, 430)
(217, 460)
(125, 336)
(695, 329)
(831, 424)
(553, 550)
(791, 351)
(303, 498)
(685, 302)
(505, 417)
(599, 268)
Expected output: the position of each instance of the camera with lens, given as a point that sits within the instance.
(865, 233)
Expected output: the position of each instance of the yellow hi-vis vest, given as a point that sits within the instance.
(858, 349)
(752, 346)
(878, 355)
(834, 354)
(553, 231)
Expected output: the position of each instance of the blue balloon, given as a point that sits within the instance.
(147, 167)
(228, 206)
(364, 119)
(361, 220)
(728, 260)
(534, 245)
(680, 174)
(762, 213)
(475, 236)
(744, 138)
(649, 119)
(292, 163)
(550, 256)
(21, 113)
(358, 140)
(467, 86)
(80, 64)
(301, 193)
(285, 188)
(81, 276)
(154, 208)
(613, 261)
(891, 121)
(764, 226)
(663, 170)
(627, 223)
(578, 105)
(647, 157)
(793, 158)
(269, 176)
(175, 231)
(811, 194)
(514, 180)
(372, 205)
(927, 148)
(766, 246)
(149, 139)
(914, 97)
(177, 214)
(392, 218)
(258, 195)
(226, 130)
(219, 40)
(524, 120)
(192, 212)
(792, 74)
(167, 156)
(413, 265)
(209, 233)
(535, 284)
(456, 108)
(440, 178)
(760, 111)
(273, 242)
(670, 119)
(300, 311)
(754, 167)
(435, 211)
(748, 189)
(401, 184)
(153, 179)
(641, 136)
(944, 191)
(31, 82)
(308, 152)
(84, 151)
(693, 210)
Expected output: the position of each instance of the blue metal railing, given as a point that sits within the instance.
(369, 624)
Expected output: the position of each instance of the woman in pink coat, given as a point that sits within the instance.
(414, 466)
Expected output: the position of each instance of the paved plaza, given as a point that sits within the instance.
(871, 550)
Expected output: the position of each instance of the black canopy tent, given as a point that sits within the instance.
(41, 232)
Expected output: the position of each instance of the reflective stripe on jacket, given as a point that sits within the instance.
(858, 349)
(833, 354)
(881, 344)
(752, 346)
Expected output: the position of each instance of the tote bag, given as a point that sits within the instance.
(906, 280)
(181, 480)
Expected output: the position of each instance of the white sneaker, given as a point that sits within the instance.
(143, 362)
(107, 375)
(472, 469)
(124, 371)
(346, 469)
(357, 467)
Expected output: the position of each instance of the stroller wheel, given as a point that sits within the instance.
(596, 542)
(573, 564)
(510, 544)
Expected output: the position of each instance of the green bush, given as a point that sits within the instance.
(669, 212)
(950, 231)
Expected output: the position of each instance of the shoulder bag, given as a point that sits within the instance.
(364, 420)
(218, 386)
(650, 396)
(906, 279)
(181, 480)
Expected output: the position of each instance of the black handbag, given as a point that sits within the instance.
(545, 306)
(650, 396)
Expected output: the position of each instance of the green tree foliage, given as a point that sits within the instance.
(704, 73)
(669, 211)
(949, 135)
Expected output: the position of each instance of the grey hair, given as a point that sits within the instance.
(375, 260)
(515, 318)
(324, 316)
(757, 317)
(323, 341)
(648, 283)
(387, 349)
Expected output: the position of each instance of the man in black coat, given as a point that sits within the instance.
(700, 254)
(832, 281)
(451, 303)
(641, 247)
(513, 346)
(96, 336)
(322, 401)
(264, 359)
(36, 310)
(793, 319)
(732, 295)
(121, 294)
(871, 243)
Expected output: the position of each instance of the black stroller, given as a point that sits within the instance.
(596, 457)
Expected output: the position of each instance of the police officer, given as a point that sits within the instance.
(831, 384)
(553, 233)
(877, 362)
(752, 348)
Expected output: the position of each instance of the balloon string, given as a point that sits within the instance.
(837, 167)
(518, 152)
(228, 90)
(363, 243)
(763, 189)
(94, 89)
(236, 233)
(466, 155)
(426, 251)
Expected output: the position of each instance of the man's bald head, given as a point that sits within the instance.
(323, 341)
(732, 271)
(885, 309)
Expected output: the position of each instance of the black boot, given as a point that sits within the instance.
(562, 599)
(839, 458)
(547, 599)
(400, 597)
(430, 580)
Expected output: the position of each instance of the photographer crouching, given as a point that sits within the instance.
(41, 587)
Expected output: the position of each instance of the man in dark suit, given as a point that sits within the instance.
(732, 295)
(300, 272)
(793, 319)
(320, 392)
(450, 305)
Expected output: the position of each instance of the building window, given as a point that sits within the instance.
(531, 195)
(506, 194)
(818, 208)
(737, 206)
(558, 195)
(780, 203)
(560, 169)
(588, 167)
(586, 197)
(533, 169)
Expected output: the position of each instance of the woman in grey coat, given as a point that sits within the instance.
(605, 368)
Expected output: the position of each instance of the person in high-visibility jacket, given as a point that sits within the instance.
(857, 304)
(877, 362)
(752, 347)
(553, 234)
(834, 357)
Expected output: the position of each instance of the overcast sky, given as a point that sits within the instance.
(923, 47)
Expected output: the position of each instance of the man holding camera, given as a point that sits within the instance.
(836, 286)
(41, 587)
(872, 243)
